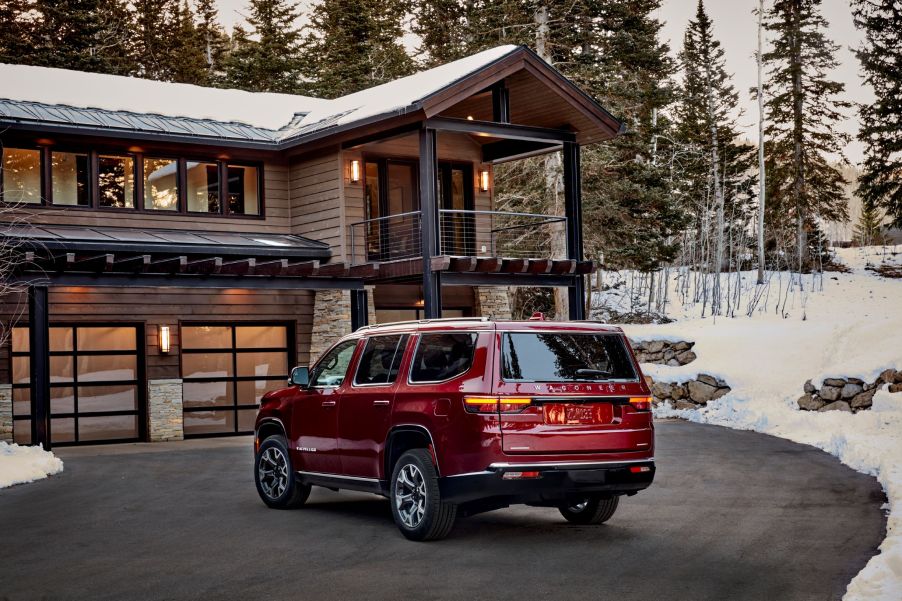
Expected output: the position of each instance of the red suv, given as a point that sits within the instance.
(456, 417)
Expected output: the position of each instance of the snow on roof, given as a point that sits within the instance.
(264, 110)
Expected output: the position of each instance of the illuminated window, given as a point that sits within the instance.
(20, 174)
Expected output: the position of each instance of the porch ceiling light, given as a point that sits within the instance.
(484, 180)
(354, 171)
(165, 339)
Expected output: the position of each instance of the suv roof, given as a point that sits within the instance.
(486, 323)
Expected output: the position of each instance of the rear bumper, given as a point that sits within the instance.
(556, 481)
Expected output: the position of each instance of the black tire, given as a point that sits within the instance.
(590, 510)
(422, 515)
(276, 481)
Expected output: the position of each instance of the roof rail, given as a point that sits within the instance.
(419, 321)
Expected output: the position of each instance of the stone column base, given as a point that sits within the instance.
(6, 413)
(164, 410)
(493, 301)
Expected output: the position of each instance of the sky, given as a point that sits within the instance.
(736, 28)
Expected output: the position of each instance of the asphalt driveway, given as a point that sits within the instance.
(732, 515)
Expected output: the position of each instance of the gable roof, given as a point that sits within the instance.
(60, 98)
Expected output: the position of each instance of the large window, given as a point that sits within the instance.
(69, 172)
(20, 175)
(116, 181)
(243, 190)
(203, 187)
(95, 384)
(161, 184)
(442, 356)
(550, 357)
(226, 369)
(381, 360)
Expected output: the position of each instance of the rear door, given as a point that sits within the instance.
(579, 386)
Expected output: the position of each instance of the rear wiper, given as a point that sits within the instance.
(593, 372)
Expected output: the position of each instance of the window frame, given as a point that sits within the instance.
(411, 382)
(234, 350)
(406, 342)
(42, 191)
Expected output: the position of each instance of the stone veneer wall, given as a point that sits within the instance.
(847, 394)
(164, 410)
(6, 413)
(332, 318)
(664, 352)
(493, 301)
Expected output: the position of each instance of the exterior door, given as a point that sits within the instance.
(314, 414)
(364, 416)
(455, 198)
(392, 200)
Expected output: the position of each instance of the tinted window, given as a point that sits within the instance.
(565, 357)
(331, 370)
(381, 359)
(442, 356)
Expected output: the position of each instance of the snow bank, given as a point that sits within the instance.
(19, 464)
(852, 328)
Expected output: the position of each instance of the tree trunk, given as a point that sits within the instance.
(718, 201)
(798, 185)
(761, 175)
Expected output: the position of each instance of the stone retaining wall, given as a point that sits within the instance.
(688, 395)
(164, 410)
(664, 352)
(6, 413)
(847, 394)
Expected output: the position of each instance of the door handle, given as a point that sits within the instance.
(328, 403)
(381, 403)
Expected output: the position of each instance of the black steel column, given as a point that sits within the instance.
(39, 354)
(429, 225)
(573, 206)
(359, 309)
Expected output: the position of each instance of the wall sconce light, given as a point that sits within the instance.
(165, 339)
(355, 171)
(484, 180)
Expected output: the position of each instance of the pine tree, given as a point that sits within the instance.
(266, 58)
(803, 110)
(14, 31)
(185, 61)
(881, 122)
(869, 229)
(214, 40)
(443, 27)
(355, 44)
(155, 21)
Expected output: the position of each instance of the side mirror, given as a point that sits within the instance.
(300, 376)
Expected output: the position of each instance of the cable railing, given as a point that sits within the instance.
(461, 233)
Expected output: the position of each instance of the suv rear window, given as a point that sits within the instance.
(381, 359)
(442, 356)
(528, 357)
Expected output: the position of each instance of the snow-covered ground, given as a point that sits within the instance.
(843, 324)
(20, 464)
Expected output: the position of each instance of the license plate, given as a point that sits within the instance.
(578, 414)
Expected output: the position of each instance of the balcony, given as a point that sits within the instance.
(462, 233)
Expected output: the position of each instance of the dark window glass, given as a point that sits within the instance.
(331, 370)
(116, 181)
(565, 357)
(442, 356)
(381, 359)
(243, 186)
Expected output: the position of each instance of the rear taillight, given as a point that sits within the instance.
(495, 404)
(641, 403)
(521, 475)
(639, 469)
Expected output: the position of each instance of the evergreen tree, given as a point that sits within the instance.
(443, 27)
(266, 58)
(803, 110)
(14, 32)
(214, 41)
(869, 229)
(881, 122)
(84, 35)
(153, 37)
(355, 44)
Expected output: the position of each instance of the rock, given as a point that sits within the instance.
(830, 393)
(649, 381)
(895, 387)
(707, 379)
(669, 354)
(683, 405)
(888, 376)
(701, 392)
(682, 345)
(850, 390)
(809, 387)
(863, 400)
(838, 382)
(686, 357)
(810, 403)
(898, 376)
(654, 346)
(720, 392)
(837, 406)
(673, 363)
(654, 357)
(855, 381)
(679, 392)
(662, 390)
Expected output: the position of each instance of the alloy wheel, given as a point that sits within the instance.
(273, 472)
(579, 506)
(410, 495)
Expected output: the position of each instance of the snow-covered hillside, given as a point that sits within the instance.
(20, 464)
(848, 324)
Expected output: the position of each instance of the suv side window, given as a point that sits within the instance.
(442, 356)
(381, 359)
(331, 370)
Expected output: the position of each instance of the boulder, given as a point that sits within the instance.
(858, 381)
(838, 382)
(898, 376)
(701, 392)
(809, 387)
(674, 363)
(654, 346)
(649, 381)
(850, 390)
(810, 403)
(662, 390)
(679, 392)
(720, 392)
(683, 405)
(669, 354)
(837, 406)
(707, 379)
(686, 357)
(682, 345)
(888, 376)
(651, 357)
(863, 400)
(895, 387)
(830, 393)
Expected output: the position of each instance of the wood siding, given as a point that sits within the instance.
(316, 207)
(171, 307)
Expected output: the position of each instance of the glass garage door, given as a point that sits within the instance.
(95, 396)
(226, 369)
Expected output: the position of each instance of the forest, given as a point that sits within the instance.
(681, 189)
